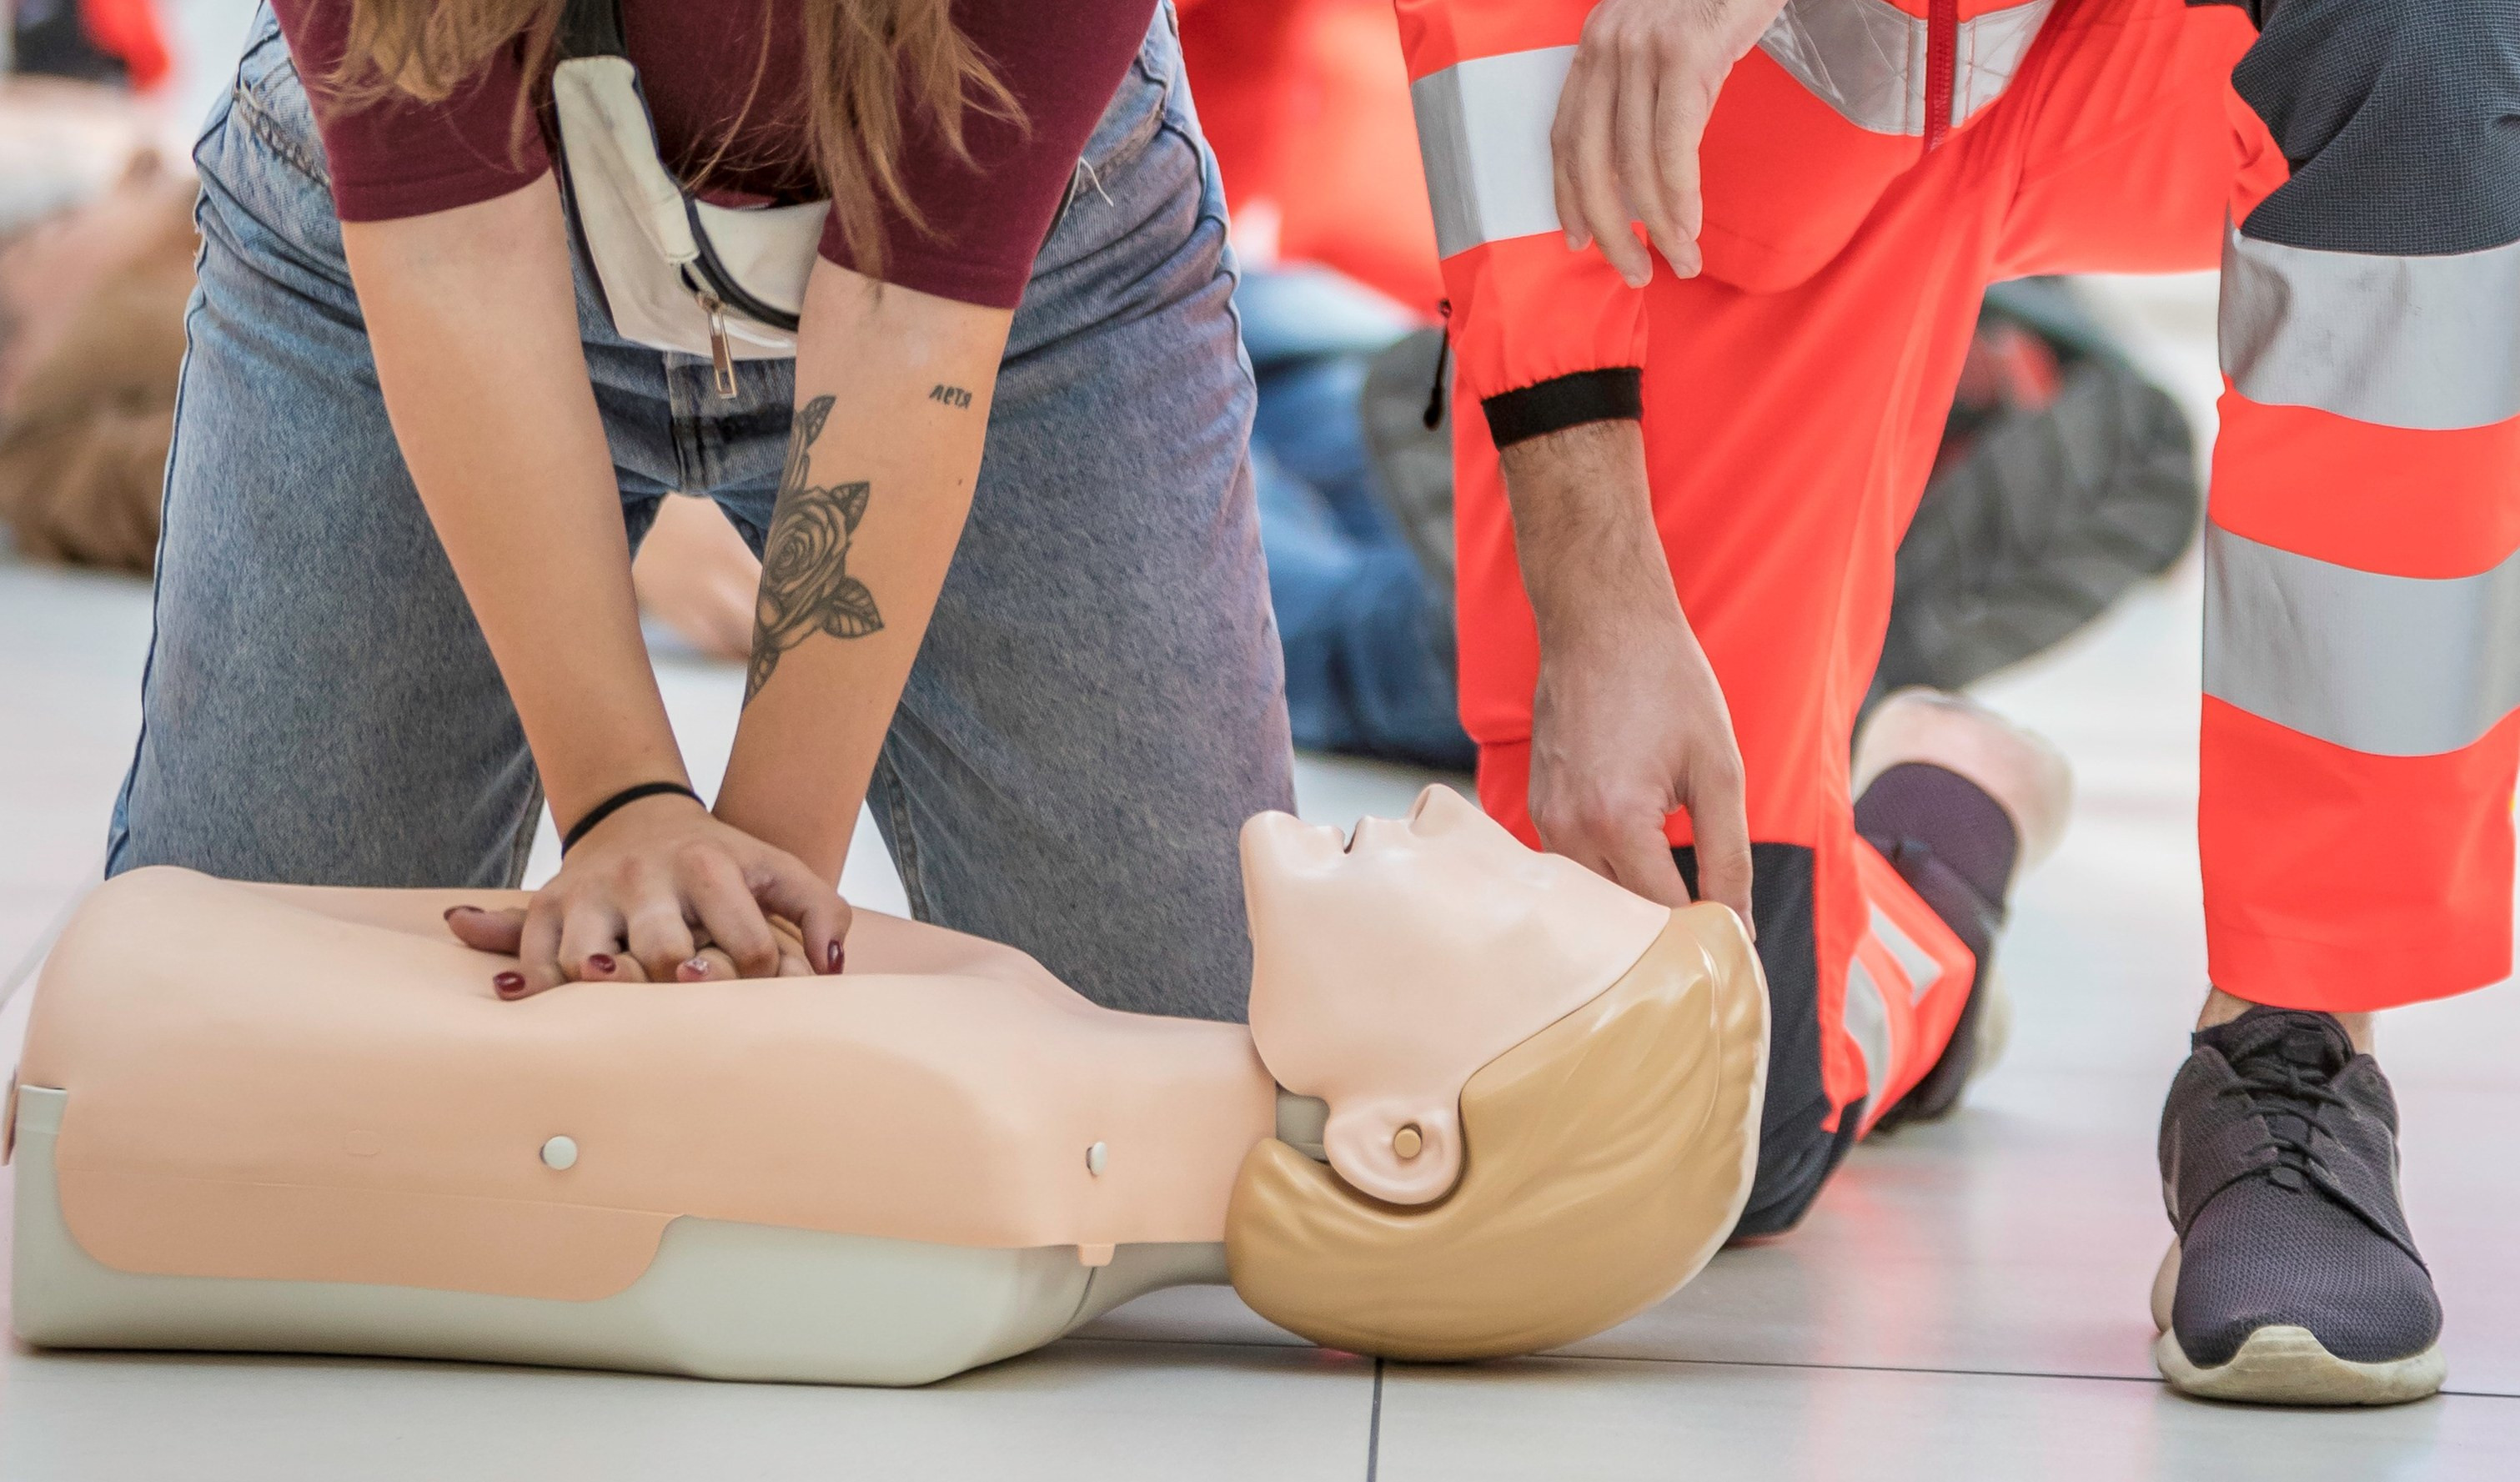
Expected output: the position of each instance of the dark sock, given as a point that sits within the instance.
(1967, 832)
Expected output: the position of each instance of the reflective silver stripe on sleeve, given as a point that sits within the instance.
(2387, 665)
(1867, 1021)
(1483, 133)
(1483, 124)
(1923, 973)
(2427, 343)
(1867, 58)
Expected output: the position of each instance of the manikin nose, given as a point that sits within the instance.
(1374, 833)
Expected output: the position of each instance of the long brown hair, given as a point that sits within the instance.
(869, 66)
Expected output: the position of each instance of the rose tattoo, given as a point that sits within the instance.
(805, 585)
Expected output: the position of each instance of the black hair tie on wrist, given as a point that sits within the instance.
(615, 804)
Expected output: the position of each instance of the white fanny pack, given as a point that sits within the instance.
(677, 273)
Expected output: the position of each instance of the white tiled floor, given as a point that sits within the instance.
(1967, 1302)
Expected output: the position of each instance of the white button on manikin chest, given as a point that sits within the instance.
(560, 1153)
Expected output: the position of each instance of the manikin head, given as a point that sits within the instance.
(1388, 967)
(1543, 1092)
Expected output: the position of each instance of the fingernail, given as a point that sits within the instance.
(601, 961)
(696, 967)
(450, 911)
(834, 958)
(508, 983)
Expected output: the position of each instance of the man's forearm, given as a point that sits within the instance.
(1584, 531)
(892, 407)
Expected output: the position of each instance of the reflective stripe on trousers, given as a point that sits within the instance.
(2419, 343)
(2363, 625)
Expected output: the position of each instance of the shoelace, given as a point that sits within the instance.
(2286, 1096)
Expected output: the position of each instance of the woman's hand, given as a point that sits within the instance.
(663, 891)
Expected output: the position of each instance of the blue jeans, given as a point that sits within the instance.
(1370, 667)
(1095, 711)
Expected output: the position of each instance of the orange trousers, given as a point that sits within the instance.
(1790, 422)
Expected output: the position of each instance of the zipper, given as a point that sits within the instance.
(721, 354)
(1942, 68)
(714, 277)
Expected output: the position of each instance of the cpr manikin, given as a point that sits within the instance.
(1488, 1103)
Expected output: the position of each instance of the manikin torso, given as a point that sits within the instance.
(320, 1088)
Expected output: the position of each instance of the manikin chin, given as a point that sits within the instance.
(1487, 1103)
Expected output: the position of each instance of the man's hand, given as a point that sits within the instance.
(1628, 723)
(1625, 140)
(1625, 734)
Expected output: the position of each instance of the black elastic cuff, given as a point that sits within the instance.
(1614, 395)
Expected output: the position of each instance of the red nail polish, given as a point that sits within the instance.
(509, 982)
(601, 961)
(836, 958)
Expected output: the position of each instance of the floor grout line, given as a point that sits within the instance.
(26, 966)
(1587, 1357)
(1373, 1429)
(1867, 1369)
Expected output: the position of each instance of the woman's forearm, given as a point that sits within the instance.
(473, 322)
(893, 405)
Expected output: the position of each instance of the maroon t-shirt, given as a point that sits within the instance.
(696, 64)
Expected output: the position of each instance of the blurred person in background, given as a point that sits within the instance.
(96, 250)
(108, 42)
(91, 338)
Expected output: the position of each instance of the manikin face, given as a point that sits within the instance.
(1389, 968)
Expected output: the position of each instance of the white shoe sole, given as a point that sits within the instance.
(2026, 776)
(2287, 1365)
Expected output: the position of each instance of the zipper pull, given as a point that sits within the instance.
(721, 354)
(1435, 417)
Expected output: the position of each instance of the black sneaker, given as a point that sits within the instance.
(2292, 1279)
